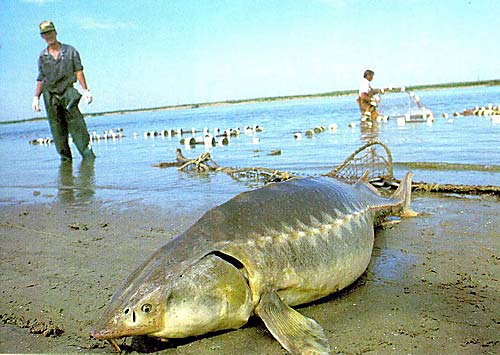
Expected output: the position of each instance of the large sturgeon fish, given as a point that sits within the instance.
(260, 253)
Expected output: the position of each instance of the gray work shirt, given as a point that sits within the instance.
(58, 74)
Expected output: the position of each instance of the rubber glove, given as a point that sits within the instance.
(87, 96)
(35, 105)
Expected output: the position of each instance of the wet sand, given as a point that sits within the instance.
(432, 285)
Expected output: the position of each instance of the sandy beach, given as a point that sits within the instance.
(432, 285)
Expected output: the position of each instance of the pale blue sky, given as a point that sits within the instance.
(155, 53)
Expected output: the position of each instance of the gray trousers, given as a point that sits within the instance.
(64, 119)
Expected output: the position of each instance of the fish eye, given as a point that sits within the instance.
(146, 308)
(126, 311)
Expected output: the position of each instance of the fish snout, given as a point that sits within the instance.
(100, 334)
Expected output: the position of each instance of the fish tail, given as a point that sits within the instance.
(403, 195)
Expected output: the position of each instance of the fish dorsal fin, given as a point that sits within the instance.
(295, 332)
(364, 181)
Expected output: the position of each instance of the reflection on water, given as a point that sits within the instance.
(76, 189)
(369, 131)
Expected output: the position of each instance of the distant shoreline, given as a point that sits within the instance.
(424, 87)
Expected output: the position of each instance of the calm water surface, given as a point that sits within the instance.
(123, 174)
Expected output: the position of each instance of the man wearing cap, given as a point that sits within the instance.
(366, 100)
(59, 67)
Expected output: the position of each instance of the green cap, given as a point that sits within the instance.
(47, 26)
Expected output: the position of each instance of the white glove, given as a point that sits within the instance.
(87, 96)
(35, 105)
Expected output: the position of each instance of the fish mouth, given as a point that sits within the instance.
(105, 334)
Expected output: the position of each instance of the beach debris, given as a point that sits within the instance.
(47, 328)
(180, 160)
(274, 152)
(78, 226)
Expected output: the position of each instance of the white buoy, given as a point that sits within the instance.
(135, 135)
(209, 140)
(248, 131)
(189, 142)
(445, 115)
(332, 127)
(401, 121)
(352, 124)
(223, 140)
(255, 140)
(297, 135)
(258, 128)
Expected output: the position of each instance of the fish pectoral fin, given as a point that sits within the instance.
(295, 332)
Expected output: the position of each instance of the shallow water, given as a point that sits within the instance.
(123, 173)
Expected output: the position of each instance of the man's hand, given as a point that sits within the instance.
(35, 105)
(87, 96)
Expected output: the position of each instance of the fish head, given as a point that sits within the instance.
(141, 314)
(208, 295)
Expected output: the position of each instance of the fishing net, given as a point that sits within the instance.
(251, 176)
(374, 156)
(406, 105)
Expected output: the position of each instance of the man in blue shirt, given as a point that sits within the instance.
(59, 67)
